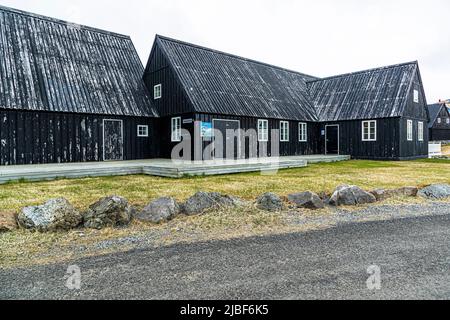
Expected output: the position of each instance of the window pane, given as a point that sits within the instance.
(263, 130)
(176, 129)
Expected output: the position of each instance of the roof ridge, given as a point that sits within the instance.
(234, 56)
(60, 21)
(364, 71)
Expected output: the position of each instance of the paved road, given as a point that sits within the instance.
(413, 254)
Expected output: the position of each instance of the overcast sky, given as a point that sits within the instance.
(320, 37)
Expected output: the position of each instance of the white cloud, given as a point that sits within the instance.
(321, 37)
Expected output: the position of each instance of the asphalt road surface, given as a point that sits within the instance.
(413, 256)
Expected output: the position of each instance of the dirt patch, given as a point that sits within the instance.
(8, 221)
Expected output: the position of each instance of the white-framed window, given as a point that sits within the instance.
(447, 120)
(142, 131)
(439, 120)
(284, 131)
(369, 130)
(420, 131)
(157, 92)
(263, 130)
(409, 130)
(302, 132)
(176, 129)
(416, 96)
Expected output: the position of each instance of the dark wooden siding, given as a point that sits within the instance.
(291, 148)
(159, 71)
(417, 112)
(163, 131)
(350, 139)
(45, 137)
(413, 149)
(391, 141)
(413, 109)
(439, 134)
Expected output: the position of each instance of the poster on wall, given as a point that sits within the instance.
(206, 130)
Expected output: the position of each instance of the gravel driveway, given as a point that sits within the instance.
(412, 254)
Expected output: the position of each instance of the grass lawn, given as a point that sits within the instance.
(21, 247)
(141, 189)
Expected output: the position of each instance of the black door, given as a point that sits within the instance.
(112, 140)
(226, 139)
(332, 140)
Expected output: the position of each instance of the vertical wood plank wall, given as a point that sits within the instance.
(46, 137)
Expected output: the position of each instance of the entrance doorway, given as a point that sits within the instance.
(332, 139)
(112, 140)
(227, 143)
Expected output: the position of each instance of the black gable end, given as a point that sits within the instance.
(160, 71)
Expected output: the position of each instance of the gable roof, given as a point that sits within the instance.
(369, 94)
(220, 83)
(434, 110)
(51, 65)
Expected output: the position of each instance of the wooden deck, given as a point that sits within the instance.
(157, 167)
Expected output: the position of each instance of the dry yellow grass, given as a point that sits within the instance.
(23, 248)
(141, 189)
(446, 150)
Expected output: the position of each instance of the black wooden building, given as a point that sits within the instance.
(200, 86)
(378, 114)
(373, 114)
(70, 93)
(439, 124)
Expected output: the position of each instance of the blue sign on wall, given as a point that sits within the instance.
(206, 130)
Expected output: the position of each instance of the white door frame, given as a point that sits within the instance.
(121, 127)
(239, 137)
(338, 137)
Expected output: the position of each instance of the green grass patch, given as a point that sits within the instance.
(141, 189)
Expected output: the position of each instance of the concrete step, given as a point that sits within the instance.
(156, 167)
(178, 172)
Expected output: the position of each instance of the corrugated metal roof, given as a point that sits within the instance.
(370, 94)
(51, 65)
(434, 110)
(221, 83)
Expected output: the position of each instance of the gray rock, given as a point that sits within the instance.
(270, 202)
(108, 212)
(308, 200)
(351, 195)
(435, 191)
(54, 215)
(383, 194)
(160, 210)
(204, 201)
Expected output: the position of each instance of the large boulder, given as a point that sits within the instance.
(270, 202)
(204, 201)
(54, 215)
(108, 212)
(8, 221)
(308, 200)
(383, 194)
(160, 210)
(435, 191)
(351, 195)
